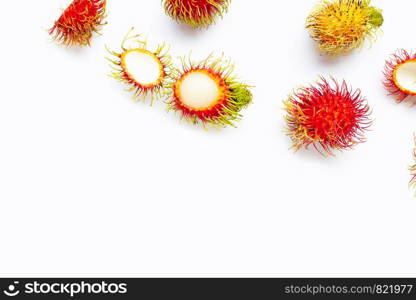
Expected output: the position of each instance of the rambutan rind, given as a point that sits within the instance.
(229, 96)
(78, 22)
(327, 117)
(391, 82)
(123, 73)
(412, 168)
(196, 13)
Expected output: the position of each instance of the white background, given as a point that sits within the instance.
(93, 183)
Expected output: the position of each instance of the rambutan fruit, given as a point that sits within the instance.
(196, 13)
(208, 93)
(412, 169)
(78, 22)
(339, 26)
(145, 72)
(400, 75)
(330, 117)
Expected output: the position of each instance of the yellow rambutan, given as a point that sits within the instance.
(340, 26)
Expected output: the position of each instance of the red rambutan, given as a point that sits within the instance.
(207, 93)
(78, 22)
(400, 75)
(412, 168)
(332, 117)
(146, 72)
(196, 13)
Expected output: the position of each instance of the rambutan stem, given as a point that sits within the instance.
(376, 17)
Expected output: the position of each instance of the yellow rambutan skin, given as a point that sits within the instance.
(340, 26)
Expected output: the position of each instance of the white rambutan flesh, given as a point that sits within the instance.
(142, 66)
(405, 76)
(198, 90)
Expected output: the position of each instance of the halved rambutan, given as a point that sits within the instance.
(78, 22)
(328, 117)
(339, 26)
(146, 72)
(207, 93)
(400, 75)
(196, 13)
